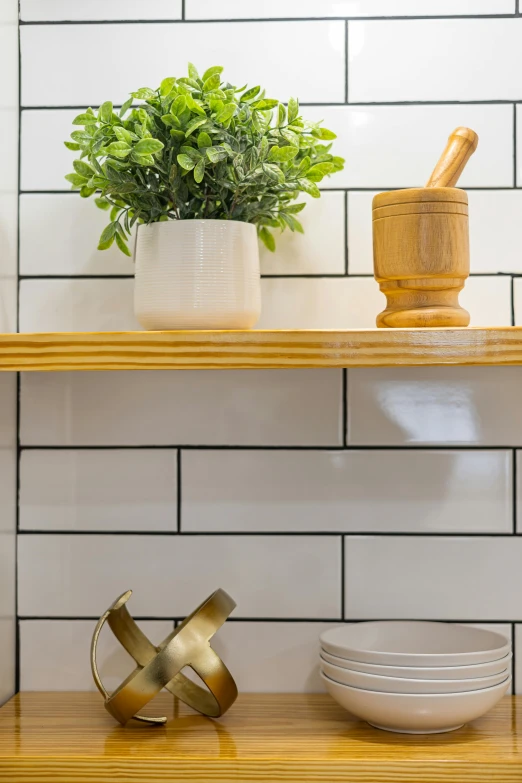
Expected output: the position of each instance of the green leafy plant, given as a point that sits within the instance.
(198, 147)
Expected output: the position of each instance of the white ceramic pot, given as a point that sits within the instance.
(197, 274)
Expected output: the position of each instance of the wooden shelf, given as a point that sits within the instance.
(70, 737)
(281, 349)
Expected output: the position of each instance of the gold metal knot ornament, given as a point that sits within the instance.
(160, 667)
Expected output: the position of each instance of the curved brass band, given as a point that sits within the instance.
(160, 667)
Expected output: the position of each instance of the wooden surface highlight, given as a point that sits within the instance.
(69, 737)
(280, 349)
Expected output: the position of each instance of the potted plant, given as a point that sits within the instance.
(202, 167)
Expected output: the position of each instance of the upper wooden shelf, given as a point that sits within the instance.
(268, 738)
(279, 349)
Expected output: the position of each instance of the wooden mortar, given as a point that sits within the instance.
(421, 244)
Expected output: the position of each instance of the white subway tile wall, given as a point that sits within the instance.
(312, 496)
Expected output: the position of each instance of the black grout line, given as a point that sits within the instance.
(514, 658)
(183, 16)
(468, 534)
(178, 483)
(343, 558)
(346, 66)
(514, 145)
(17, 453)
(254, 447)
(311, 104)
(346, 225)
(246, 619)
(297, 276)
(515, 491)
(512, 299)
(309, 19)
(344, 408)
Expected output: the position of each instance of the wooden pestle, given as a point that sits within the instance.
(421, 244)
(460, 147)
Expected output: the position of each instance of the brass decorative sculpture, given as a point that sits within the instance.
(160, 667)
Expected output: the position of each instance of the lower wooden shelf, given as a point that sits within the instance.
(277, 349)
(68, 737)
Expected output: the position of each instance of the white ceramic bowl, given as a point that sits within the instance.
(374, 682)
(426, 673)
(413, 713)
(410, 643)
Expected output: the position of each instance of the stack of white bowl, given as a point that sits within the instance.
(415, 677)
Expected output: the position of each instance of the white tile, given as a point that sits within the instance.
(7, 613)
(268, 576)
(487, 300)
(320, 250)
(94, 10)
(70, 305)
(45, 49)
(272, 657)
(434, 405)
(251, 407)
(519, 144)
(53, 654)
(78, 223)
(381, 54)
(243, 9)
(495, 231)
(319, 303)
(108, 489)
(455, 578)
(384, 149)
(517, 296)
(46, 130)
(519, 491)
(283, 491)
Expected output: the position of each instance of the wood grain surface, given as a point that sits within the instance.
(281, 349)
(59, 737)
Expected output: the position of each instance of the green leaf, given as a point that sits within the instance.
(178, 106)
(199, 171)
(204, 140)
(85, 191)
(212, 83)
(228, 111)
(120, 149)
(267, 238)
(316, 173)
(264, 104)
(71, 145)
(281, 115)
(310, 188)
(102, 203)
(83, 168)
(85, 119)
(194, 125)
(76, 180)
(122, 245)
(177, 134)
(211, 71)
(144, 94)
(143, 160)
(186, 162)
(125, 107)
(115, 212)
(323, 133)
(249, 94)
(192, 83)
(167, 85)
(193, 72)
(123, 135)
(293, 110)
(105, 113)
(216, 154)
(305, 164)
(282, 154)
(295, 208)
(105, 245)
(148, 147)
(274, 172)
(108, 233)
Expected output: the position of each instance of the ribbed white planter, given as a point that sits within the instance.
(197, 274)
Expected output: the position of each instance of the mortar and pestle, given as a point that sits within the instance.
(421, 244)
